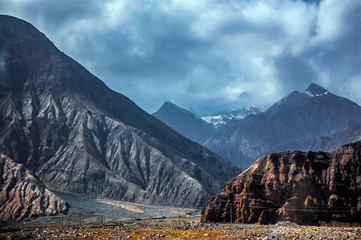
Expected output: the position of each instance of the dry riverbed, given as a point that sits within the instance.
(88, 209)
(175, 228)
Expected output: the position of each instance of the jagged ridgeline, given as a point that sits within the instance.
(77, 135)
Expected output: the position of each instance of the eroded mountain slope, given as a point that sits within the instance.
(23, 195)
(302, 187)
(78, 135)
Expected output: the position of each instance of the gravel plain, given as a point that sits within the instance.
(88, 209)
(176, 228)
(90, 218)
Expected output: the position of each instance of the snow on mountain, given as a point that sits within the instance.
(315, 90)
(288, 124)
(234, 114)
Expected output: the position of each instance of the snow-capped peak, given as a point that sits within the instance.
(315, 90)
(235, 114)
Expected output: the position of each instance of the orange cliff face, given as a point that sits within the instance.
(22, 195)
(302, 187)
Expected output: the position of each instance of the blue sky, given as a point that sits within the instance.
(206, 56)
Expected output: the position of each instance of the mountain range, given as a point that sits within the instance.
(299, 121)
(222, 118)
(196, 128)
(76, 135)
(315, 120)
(65, 130)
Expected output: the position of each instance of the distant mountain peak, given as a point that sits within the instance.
(315, 90)
(185, 122)
(169, 103)
(222, 118)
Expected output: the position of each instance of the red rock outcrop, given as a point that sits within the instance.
(22, 195)
(303, 187)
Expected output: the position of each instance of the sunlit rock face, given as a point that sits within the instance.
(22, 195)
(79, 136)
(302, 187)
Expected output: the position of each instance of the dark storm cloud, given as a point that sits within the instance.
(130, 55)
(293, 71)
(206, 56)
(53, 13)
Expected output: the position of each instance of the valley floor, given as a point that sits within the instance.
(93, 218)
(175, 228)
(89, 209)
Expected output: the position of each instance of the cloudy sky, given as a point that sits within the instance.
(205, 55)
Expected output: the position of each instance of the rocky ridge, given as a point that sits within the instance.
(23, 195)
(79, 136)
(302, 187)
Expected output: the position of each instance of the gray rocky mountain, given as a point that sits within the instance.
(22, 195)
(297, 117)
(79, 136)
(324, 143)
(186, 123)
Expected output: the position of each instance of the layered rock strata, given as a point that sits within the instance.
(302, 187)
(23, 195)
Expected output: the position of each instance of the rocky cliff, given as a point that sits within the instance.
(79, 136)
(23, 195)
(303, 187)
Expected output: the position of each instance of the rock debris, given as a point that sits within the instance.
(178, 228)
